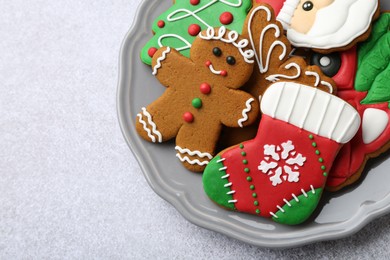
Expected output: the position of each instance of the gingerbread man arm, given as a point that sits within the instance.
(168, 64)
(239, 109)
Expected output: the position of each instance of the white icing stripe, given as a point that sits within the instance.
(192, 153)
(188, 160)
(315, 111)
(152, 124)
(327, 84)
(225, 176)
(286, 201)
(216, 72)
(223, 169)
(304, 193)
(221, 160)
(228, 184)
(264, 67)
(280, 208)
(231, 192)
(295, 197)
(232, 38)
(232, 201)
(171, 35)
(273, 214)
(160, 59)
(146, 128)
(314, 74)
(312, 189)
(245, 112)
(276, 77)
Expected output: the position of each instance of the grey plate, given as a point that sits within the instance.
(340, 214)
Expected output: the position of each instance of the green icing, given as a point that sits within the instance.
(373, 59)
(207, 11)
(380, 27)
(197, 103)
(380, 90)
(299, 211)
(213, 184)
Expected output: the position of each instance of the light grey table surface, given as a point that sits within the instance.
(69, 185)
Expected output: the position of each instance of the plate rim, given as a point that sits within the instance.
(177, 197)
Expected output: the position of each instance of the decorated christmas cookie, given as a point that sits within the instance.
(202, 95)
(326, 25)
(363, 80)
(281, 173)
(275, 62)
(180, 24)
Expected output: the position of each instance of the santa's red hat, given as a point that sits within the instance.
(284, 10)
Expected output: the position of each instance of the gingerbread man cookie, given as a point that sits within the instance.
(202, 95)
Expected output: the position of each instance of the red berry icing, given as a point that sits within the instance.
(152, 51)
(224, 73)
(226, 18)
(188, 117)
(194, 29)
(194, 2)
(161, 23)
(205, 88)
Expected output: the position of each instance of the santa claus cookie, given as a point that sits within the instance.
(326, 25)
(180, 24)
(202, 95)
(281, 173)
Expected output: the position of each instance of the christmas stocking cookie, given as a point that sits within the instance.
(282, 172)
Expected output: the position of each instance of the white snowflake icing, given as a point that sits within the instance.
(281, 163)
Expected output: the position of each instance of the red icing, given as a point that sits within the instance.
(226, 18)
(353, 154)
(208, 63)
(276, 4)
(345, 78)
(194, 29)
(188, 117)
(161, 23)
(269, 196)
(194, 2)
(152, 51)
(205, 88)
(224, 73)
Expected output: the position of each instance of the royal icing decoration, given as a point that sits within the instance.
(245, 112)
(178, 26)
(159, 60)
(183, 156)
(288, 170)
(374, 123)
(153, 131)
(230, 37)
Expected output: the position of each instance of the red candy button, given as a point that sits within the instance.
(161, 23)
(226, 18)
(194, 29)
(152, 51)
(205, 88)
(188, 117)
(194, 2)
(223, 73)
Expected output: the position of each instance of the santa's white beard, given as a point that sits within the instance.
(336, 25)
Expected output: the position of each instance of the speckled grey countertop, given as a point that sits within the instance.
(69, 185)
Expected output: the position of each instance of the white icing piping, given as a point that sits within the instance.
(232, 38)
(151, 123)
(264, 68)
(188, 160)
(192, 153)
(160, 59)
(216, 72)
(193, 14)
(245, 112)
(327, 84)
(314, 74)
(187, 43)
(276, 77)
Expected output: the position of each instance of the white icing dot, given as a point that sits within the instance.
(325, 61)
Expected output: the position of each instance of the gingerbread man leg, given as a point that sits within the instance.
(195, 146)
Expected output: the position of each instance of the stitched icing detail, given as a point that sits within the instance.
(232, 201)
(295, 197)
(273, 214)
(225, 176)
(222, 169)
(231, 192)
(312, 189)
(228, 184)
(280, 208)
(221, 160)
(304, 193)
(286, 201)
